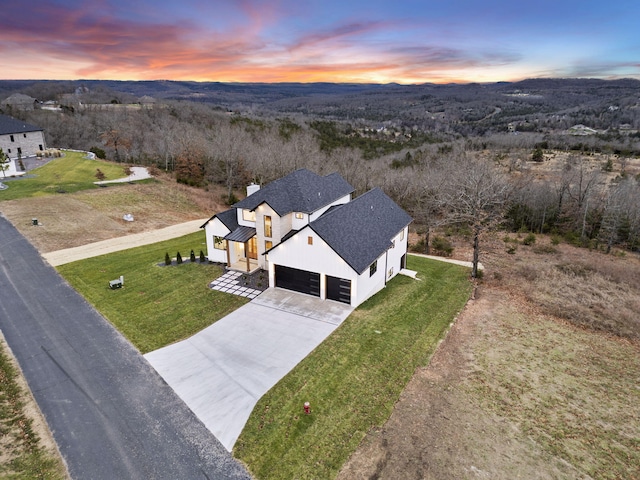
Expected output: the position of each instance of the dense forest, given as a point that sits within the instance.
(539, 156)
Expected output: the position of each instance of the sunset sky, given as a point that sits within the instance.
(404, 41)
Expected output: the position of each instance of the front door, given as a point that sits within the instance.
(252, 248)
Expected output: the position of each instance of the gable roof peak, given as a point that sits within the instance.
(300, 191)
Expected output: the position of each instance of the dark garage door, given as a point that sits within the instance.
(339, 289)
(298, 280)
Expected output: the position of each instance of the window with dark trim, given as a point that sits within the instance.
(12, 139)
(219, 243)
(267, 226)
(268, 245)
(373, 268)
(309, 240)
(25, 135)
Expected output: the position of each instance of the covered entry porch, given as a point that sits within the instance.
(242, 250)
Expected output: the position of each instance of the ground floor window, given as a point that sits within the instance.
(219, 243)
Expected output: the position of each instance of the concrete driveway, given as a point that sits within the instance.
(222, 372)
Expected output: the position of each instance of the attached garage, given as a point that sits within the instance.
(301, 281)
(339, 289)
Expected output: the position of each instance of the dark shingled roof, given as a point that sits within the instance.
(228, 218)
(300, 191)
(10, 125)
(361, 230)
(241, 234)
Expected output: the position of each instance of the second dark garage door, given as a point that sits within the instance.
(339, 289)
(301, 281)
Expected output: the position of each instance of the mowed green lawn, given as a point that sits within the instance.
(67, 174)
(158, 305)
(354, 378)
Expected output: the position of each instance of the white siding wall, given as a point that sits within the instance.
(395, 254)
(28, 142)
(368, 285)
(215, 228)
(319, 257)
(279, 228)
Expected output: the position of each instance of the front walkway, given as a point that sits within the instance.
(222, 371)
(232, 282)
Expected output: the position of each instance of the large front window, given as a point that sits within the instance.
(267, 226)
(219, 243)
(248, 215)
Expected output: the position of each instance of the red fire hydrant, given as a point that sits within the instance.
(307, 408)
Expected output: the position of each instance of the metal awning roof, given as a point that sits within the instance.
(241, 234)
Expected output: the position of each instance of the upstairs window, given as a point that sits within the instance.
(300, 216)
(12, 139)
(373, 268)
(267, 226)
(248, 215)
(268, 245)
(309, 240)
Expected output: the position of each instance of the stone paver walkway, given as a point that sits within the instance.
(230, 282)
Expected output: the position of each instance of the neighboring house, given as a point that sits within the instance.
(20, 101)
(312, 237)
(20, 139)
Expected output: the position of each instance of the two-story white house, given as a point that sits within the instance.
(311, 237)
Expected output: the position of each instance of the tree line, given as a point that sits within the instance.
(439, 178)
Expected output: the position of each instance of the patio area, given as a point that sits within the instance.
(241, 284)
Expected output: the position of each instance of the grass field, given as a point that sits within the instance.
(354, 378)
(67, 174)
(158, 305)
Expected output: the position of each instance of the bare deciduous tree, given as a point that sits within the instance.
(475, 193)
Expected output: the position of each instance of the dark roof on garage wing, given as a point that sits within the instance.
(229, 219)
(10, 125)
(300, 191)
(361, 230)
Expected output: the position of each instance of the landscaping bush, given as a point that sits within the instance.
(100, 174)
(178, 258)
(192, 257)
(167, 259)
(202, 257)
(442, 246)
(98, 152)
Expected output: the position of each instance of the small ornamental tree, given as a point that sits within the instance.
(100, 174)
(167, 259)
(4, 163)
(178, 258)
(192, 257)
(202, 259)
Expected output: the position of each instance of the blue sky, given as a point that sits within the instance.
(332, 41)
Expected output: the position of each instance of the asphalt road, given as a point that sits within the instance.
(111, 414)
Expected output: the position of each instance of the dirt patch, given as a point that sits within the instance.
(71, 220)
(514, 392)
